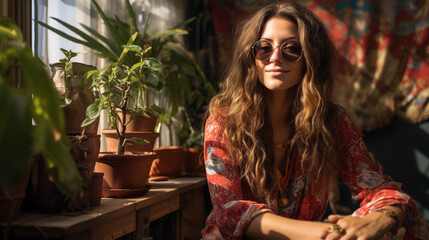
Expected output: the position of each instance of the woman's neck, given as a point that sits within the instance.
(278, 105)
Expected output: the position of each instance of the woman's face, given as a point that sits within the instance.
(278, 73)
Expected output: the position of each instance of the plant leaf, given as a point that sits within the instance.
(131, 18)
(139, 141)
(114, 48)
(169, 33)
(15, 135)
(109, 24)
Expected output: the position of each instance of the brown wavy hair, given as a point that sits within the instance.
(240, 104)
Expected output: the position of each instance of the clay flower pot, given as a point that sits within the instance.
(112, 141)
(125, 175)
(81, 97)
(169, 161)
(140, 123)
(194, 163)
(96, 189)
(85, 149)
(16, 194)
(48, 199)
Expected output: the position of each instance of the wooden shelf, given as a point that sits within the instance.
(115, 217)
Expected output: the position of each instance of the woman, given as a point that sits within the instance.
(274, 141)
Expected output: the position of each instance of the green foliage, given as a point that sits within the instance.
(36, 101)
(68, 71)
(178, 66)
(105, 47)
(121, 88)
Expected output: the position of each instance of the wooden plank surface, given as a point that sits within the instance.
(162, 198)
(67, 224)
(162, 190)
(165, 207)
(115, 228)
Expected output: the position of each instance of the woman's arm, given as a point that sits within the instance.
(231, 212)
(383, 222)
(271, 226)
(374, 189)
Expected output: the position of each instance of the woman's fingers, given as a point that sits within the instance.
(335, 232)
(335, 217)
(400, 234)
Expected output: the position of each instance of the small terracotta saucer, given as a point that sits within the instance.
(124, 193)
(158, 178)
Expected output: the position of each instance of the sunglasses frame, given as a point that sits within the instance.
(280, 46)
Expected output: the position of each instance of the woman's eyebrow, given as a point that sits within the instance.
(283, 40)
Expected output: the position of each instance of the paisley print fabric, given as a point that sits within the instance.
(234, 205)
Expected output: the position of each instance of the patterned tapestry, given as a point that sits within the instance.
(382, 48)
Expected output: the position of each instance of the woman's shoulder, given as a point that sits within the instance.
(214, 124)
(346, 129)
(342, 116)
(215, 117)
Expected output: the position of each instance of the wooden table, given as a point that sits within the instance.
(181, 198)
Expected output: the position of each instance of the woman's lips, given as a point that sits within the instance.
(276, 71)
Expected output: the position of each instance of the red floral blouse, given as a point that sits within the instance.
(234, 205)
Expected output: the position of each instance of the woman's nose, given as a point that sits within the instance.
(276, 55)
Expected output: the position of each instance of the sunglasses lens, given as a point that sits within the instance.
(291, 51)
(262, 50)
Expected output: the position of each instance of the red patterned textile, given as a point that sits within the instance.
(383, 53)
(234, 205)
(383, 65)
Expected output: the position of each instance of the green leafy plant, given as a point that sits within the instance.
(185, 84)
(179, 67)
(68, 71)
(121, 88)
(36, 100)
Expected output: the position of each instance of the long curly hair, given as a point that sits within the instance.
(240, 104)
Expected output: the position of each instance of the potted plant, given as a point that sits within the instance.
(118, 89)
(110, 48)
(76, 97)
(187, 91)
(32, 121)
(179, 66)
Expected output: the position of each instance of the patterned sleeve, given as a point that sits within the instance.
(369, 184)
(231, 213)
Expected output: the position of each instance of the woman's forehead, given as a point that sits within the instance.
(278, 28)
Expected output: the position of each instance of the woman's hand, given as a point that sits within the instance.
(372, 226)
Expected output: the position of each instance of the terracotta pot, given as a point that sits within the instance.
(140, 123)
(17, 194)
(95, 189)
(194, 162)
(48, 198)
(127, 171)
(169, 161)
(112, 141)
(85, 149)
(81, 97)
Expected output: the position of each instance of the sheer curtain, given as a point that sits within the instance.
(48, 43)
(164, 14)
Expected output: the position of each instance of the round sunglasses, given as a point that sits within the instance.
(263, 50)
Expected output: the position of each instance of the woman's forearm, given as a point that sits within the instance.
(271, 226)
(398, 220)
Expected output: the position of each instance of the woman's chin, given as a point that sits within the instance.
(276, 85)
